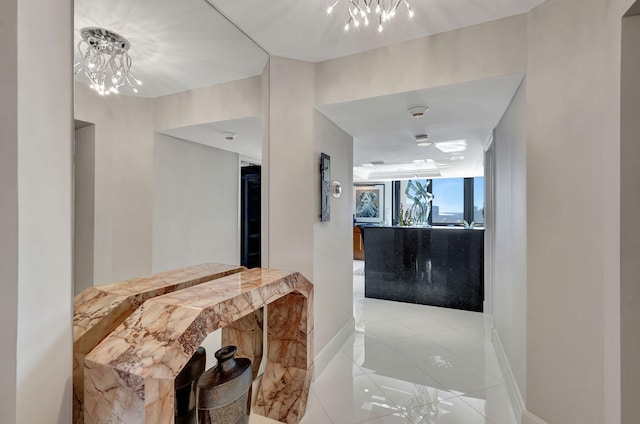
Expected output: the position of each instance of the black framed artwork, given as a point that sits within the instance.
(325, 187)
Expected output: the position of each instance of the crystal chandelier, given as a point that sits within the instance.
(105, 61)
(361, 11)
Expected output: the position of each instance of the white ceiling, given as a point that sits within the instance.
(384, 131)
(301, 29)
(248, 143)
(182, 45)
(175, 45)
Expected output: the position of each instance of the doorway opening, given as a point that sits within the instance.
(250, 216)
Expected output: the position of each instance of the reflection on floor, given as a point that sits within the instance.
(409, 363)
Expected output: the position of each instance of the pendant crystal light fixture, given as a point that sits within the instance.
(105, 61)
(362, 11)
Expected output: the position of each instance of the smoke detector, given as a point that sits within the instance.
(229, 135)
(423, 140)
(418, 111)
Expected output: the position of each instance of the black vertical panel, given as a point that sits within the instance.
(468, 200)
(395, 194)
(430, 190)
(250, 243)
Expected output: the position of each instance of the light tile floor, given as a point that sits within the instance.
(413, 364)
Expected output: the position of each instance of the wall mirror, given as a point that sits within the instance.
(157, 171)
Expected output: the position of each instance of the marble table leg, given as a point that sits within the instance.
(246, 333)
(120, 310)
(285, 384)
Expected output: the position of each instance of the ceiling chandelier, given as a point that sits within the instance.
(105, 60)
(361, 11)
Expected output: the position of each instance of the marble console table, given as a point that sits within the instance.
(129, 377)
(99, 310)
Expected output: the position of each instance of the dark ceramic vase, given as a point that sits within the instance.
(185, 388)
(224, 392)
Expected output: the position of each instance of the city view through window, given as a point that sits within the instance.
(448, 206)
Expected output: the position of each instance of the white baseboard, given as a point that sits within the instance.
(517, 402)
(529, 418)
(485, 308)
(325, 356)
(522, 416)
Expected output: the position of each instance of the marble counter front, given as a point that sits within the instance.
(99, 310)
(129, 377)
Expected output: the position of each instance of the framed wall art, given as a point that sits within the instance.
(369, 202)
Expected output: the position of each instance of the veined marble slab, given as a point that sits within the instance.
(98, 310)
(129, 377)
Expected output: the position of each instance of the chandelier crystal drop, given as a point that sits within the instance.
(363, 11)
(105, 61)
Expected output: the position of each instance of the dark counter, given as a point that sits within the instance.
(431, 266)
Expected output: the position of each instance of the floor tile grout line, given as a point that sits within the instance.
(480, 412)
(382, 391)
(326, 413)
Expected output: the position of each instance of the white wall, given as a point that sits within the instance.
(321, 251)
(291, 166)
(573, 211)
(388, 203)
(195, 210)
(235, 99)
(195, 204)
(9, 217)
(630, 238)
(333, 240)
(123, 182)
(44, 140)
(84, 213)
(477, 52)
(264, 173)
(510, 235)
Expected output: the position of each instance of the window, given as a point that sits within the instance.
(455, 200)
(448, 201)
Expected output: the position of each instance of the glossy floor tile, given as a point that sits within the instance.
(411, 364)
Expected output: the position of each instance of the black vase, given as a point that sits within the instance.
(224, 392)
(185, 388)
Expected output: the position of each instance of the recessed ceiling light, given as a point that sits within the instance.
(444, 165)
(367, 164)
(418, 111)
(423, 140)
(452, 146)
